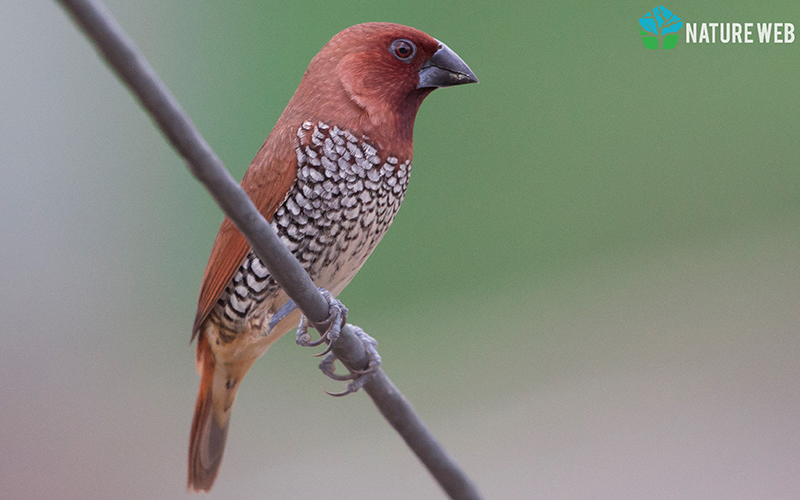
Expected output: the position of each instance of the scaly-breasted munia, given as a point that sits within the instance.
(329, 178)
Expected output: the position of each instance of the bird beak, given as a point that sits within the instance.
(445, 69)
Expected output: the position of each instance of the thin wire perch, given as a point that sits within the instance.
(130, 65)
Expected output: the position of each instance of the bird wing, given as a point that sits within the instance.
(267, 181)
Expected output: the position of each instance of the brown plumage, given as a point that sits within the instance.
(330, 178)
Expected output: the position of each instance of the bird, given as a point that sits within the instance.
(329, 179)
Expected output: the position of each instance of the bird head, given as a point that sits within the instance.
(373, 77)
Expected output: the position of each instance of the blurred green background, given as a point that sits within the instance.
(591, 290)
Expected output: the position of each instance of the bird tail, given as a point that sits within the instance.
(211, 419)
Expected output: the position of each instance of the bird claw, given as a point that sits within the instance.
(337, 317)
(357, 378)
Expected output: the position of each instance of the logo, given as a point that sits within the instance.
(739, 32)
(660, 27)
(659, 30)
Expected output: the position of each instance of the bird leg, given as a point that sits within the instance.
(332, 326)
(357, 378)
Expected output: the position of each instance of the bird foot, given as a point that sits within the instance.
(357, 378)
(337, 318)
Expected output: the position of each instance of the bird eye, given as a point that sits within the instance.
(403, 49)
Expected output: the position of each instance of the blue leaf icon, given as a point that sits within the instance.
(648, 22)
(660, 21)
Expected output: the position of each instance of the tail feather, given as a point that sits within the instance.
(207, 442)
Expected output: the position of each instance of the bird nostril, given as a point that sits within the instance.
(439, 47)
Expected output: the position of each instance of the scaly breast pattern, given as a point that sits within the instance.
(343, 201)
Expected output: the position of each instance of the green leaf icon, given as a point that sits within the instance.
(670, 41)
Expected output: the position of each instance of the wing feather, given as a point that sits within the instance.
(269, 178)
